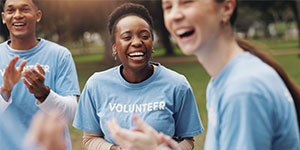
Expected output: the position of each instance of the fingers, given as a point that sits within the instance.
(13, 62)
(22, 65)
(27, 84)
(12, 65)
(143, 126)
(36, 128)
(116, 130)
(39, 67)
(33, 78)
(48, 131)
(121, 136)
(167, 140)
(35, 75)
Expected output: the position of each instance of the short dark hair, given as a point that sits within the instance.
(35, 2)
(125, 10)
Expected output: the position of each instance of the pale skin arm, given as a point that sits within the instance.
(47, 132)
(187, 144)
(145, 138)
(11, 76)
(92, 141)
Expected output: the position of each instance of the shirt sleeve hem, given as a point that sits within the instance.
(79, 127)
(4, 104)
(191, 134)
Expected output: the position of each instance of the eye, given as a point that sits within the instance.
(145, 37)
(26, 9)
(10, 10)
(126, 37)
(166, 7)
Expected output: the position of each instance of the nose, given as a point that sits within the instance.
(136, 42)
(18, 14)
(176, 13)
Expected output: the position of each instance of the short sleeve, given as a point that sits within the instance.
(245, 122)
(66, 79)
(86, 118)
(187, 119)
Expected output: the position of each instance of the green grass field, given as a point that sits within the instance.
(194, 72)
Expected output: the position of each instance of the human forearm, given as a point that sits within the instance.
(92, 141)
(187, 144)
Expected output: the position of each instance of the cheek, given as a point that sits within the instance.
(167, 22)
(121, 45)
(148, 45)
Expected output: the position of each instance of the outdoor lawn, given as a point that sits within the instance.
(285, 52)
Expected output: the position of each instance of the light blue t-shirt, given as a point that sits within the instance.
(10, 133)
(60, 76)
(250, 108)
(165, 101)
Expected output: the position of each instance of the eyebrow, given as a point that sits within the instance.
(23, 5)
(142, 31)
(125, 32)
(165, 2)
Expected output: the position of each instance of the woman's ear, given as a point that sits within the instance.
(3, 20)
(228, 7)
(114, 48)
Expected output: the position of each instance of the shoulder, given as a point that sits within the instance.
(252, 74)
(3, 45)
(54, 47)
(175, 78)
(252, 80)
(102, 77)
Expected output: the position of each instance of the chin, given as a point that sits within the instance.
(187, 50)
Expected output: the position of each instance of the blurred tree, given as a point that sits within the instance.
(68, 20)
(3, 30)
(296, 9)
(71, 19)
(106, 10)
(155, 9)
(270, 12)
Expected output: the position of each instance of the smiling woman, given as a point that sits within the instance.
(159, 96)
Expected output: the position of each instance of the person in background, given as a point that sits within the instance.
(36, 74)
(251, 102)
(159, 96)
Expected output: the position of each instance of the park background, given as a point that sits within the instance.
(81, 26)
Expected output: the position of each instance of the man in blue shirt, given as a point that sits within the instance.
(47, 70)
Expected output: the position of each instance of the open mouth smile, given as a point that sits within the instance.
(183, 33)
(19, 24)
(136, 56)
